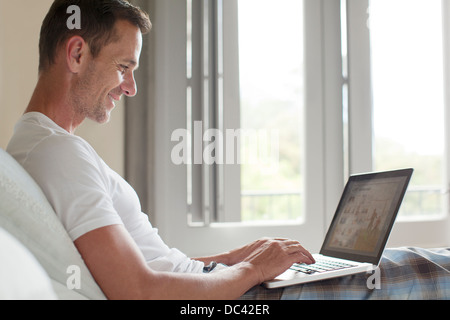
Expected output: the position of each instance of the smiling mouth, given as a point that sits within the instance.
(114, 98)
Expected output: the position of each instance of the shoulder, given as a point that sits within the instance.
(38, 139)
(61, 150)
(65, 146)
(62, 157)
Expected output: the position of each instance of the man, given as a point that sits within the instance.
(82, 73)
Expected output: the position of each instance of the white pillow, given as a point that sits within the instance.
(26, 215)
(21, 276)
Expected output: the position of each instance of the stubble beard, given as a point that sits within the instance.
(83, 106)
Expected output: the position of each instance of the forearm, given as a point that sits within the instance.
(226, 284)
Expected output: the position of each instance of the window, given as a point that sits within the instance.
(408, 98)
(205, 108)
(259, 119)
(398, 88)
(271, 99)
(260, 130)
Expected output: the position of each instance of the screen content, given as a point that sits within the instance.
(364, 216)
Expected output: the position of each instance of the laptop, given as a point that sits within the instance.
(358, 233)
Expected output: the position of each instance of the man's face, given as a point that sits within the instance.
(109, 76)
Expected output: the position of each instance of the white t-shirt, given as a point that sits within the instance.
(85, 193)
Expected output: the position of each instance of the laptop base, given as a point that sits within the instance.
(292, 277)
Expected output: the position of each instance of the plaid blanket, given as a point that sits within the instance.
(404, 273)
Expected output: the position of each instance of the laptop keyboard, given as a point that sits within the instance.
(321, 265)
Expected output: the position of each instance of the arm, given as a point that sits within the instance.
(122, 273)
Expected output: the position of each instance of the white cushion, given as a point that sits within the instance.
(21, 276)
(26, 214)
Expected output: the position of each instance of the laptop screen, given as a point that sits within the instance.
(365, 216)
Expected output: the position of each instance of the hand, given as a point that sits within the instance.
(240, 254)
(271, 257)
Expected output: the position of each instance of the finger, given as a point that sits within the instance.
(309, 258)
(308, 255)
(298, 249)
(294, 246)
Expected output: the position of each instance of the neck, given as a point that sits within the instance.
(51, 98)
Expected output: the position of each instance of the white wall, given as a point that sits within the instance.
(20, 22)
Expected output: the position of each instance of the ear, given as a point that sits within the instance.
(76, 52)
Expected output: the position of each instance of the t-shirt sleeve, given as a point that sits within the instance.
(73, 180)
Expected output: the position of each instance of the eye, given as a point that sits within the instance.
(123, 69)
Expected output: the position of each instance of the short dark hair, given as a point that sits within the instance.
(98, 18)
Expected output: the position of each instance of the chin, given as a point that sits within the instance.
(101, 117)
(105, 119)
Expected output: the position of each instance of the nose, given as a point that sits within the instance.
(129, 87)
